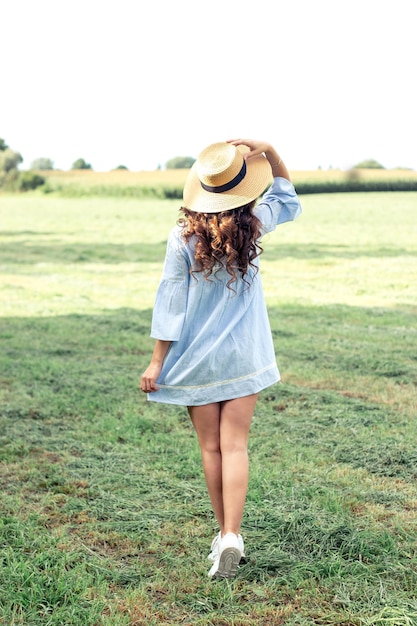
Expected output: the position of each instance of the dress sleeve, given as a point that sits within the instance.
(278, 205)
(171, 297)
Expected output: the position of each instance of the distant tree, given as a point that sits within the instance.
(81, 164)
(9, 163)
(121, 167)
(9, 160)
(369, 164)
(42, 164)
(179, 163)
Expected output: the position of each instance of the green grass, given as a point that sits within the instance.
(104, 517)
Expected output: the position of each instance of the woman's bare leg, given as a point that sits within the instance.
(235, 421)
(206, 421)
(223, 431)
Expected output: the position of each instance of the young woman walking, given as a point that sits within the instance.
(214, 351)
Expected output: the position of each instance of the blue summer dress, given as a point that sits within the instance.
(221, 338)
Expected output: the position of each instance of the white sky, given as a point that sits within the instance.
(136, 82)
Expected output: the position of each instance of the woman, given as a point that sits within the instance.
(214, 351)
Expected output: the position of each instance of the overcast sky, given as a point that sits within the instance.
(136, 82)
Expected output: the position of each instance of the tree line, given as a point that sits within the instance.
(14, 180)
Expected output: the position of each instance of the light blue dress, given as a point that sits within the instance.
(222, 345)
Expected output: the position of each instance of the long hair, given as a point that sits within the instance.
(229, 239)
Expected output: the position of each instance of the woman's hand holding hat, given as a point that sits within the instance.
(262, 147)
(255, 147)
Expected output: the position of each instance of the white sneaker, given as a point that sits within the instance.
(229, 557)
(215, 549)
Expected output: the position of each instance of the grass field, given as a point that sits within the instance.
(104, 517)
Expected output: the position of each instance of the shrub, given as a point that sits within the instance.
(27, 181)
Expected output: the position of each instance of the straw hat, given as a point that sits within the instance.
(221, 179)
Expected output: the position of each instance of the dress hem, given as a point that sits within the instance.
(198, 396)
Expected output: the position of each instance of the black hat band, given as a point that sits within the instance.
(227, 186)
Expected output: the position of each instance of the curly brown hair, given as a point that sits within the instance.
(229, 239)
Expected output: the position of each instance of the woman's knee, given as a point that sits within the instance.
(234, 443)
(210, 445)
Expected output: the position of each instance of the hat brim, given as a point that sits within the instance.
(258, 178)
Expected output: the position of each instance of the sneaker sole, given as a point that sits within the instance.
(228, 564)
(243, 559)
